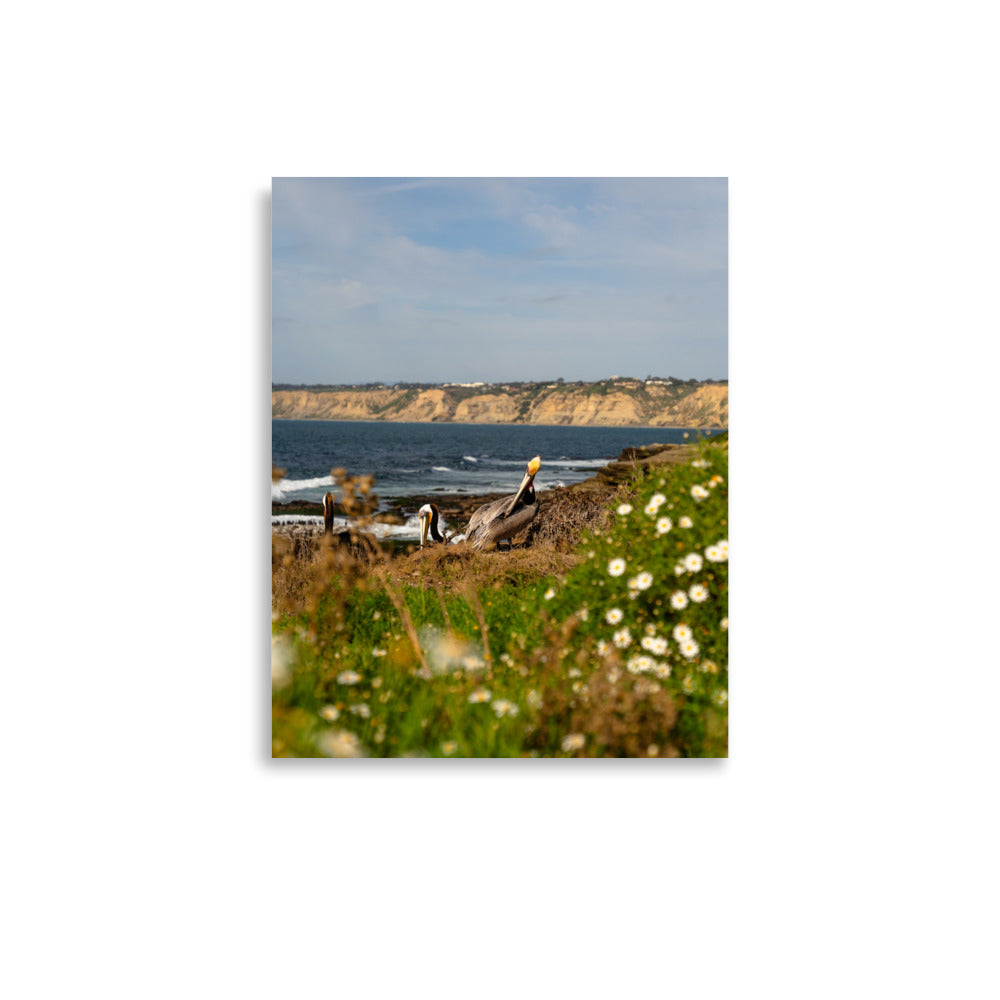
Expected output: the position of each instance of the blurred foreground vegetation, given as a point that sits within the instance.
(616, 649)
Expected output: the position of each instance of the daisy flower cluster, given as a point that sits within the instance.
(657, 584)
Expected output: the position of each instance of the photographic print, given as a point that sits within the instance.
(499, 498)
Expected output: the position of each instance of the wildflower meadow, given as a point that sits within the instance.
(619, 650)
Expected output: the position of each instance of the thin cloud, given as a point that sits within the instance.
(360, 267)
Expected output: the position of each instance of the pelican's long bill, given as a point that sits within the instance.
(429, 522)
(533, 466)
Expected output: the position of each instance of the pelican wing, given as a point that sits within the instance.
(487, 526)
(485, 515)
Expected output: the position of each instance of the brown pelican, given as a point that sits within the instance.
(429, 521)
(505, 517)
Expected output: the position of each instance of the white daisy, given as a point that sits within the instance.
(644, 580)
(616, 567)
(480, 695)
(340, 743)
(682, 633)
(692, 562)
(678, 600)
(663, 525)
(713, 554)
(361, 709)
(573, 741)
(503, 707)
(700, 463)
(650, 629)
(720, 698)
(330, 713)
(602, 647)
(549, 594)
(655, 502)
(724, 624)
(655, 644)
(698, 593)
(661, 669)
(614, 616)
(534, 700)
(639, 664)
(686, 522)
(448, 747)
(625, 508)
(622, 638)
(699, 492)
(378, 652)
(348, 677)
(689, 648)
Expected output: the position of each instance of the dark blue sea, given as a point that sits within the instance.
(419, 460)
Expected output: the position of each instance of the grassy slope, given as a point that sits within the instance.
(449, 652)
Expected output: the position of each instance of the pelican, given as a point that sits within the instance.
(505, 517)
(428, 515)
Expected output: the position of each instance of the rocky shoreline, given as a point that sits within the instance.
(582, 503)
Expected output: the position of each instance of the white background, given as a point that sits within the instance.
(150, 846)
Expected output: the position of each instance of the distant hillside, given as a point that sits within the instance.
(617, 402)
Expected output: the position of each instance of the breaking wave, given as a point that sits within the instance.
(281, 489)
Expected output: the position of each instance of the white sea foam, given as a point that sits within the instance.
(470, 458)
(440, 468)
(401, 532)
(283, 487)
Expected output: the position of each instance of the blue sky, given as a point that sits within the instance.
(466, 280)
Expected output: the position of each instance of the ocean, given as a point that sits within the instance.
(419, 460)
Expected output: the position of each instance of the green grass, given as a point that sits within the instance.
(376, 667)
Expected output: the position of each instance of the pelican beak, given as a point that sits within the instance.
(533, 466)
(425, 520)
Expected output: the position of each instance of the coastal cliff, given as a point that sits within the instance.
(611, 403)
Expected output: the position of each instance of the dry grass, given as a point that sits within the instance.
(303, 561)
(564, 515)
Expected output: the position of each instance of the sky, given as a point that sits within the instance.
(507, 279)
